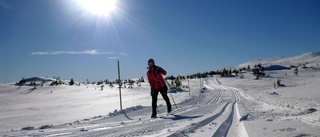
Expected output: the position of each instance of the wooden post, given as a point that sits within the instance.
(119, 85)
(189, 87)
(200, 83)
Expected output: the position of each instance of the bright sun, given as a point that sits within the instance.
(99, 7)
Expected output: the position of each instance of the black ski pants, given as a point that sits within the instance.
(154, 93)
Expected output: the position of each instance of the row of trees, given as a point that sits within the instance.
(258, 71)
(127, 83)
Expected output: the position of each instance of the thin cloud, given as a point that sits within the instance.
(85, 52)
(124, 54)
(89, 52)
(112, 57)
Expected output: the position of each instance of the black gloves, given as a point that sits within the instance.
(159, 69)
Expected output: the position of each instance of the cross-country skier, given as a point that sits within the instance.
(157, 84)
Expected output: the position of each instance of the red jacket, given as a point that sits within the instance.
(155, 77)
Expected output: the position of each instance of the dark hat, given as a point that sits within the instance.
(151, 60)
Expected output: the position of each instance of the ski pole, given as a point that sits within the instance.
(172, 97)
(173, 101)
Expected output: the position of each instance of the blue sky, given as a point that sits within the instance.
(62, 38)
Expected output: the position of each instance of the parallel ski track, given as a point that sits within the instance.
(195, 108)
(223, 129)
(130, 129)
(199, 125)
(139, 127)
(188, 108)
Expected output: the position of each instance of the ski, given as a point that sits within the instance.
(163, 115)
(167, 113)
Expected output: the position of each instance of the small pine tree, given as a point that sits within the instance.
(172, 83)
(71, 82)
(22, 81)
(278, 82)
(141, 79)
(102, 87)
(295, 71)
(131, 83)
(88, 82)
(111, 85)
(178, 82)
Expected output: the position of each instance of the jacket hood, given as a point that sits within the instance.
(151, 60)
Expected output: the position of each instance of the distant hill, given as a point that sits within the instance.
(311, 58)
(39, 79)
(275, 67)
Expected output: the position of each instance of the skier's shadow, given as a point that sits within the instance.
(179, 117)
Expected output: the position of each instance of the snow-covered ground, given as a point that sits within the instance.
(230, 106)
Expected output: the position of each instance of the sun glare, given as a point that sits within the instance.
(99, 7)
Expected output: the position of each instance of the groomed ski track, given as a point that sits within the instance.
(213, 112)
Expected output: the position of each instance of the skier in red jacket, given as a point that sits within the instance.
(157, 84)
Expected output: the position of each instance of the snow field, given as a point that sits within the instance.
(284, 111)
(215, 106)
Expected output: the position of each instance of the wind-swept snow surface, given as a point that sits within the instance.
(210, 112)
(222, 106)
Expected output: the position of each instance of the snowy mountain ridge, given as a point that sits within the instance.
(310, 58)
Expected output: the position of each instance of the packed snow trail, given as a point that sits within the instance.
(226, 125)
(211, 113)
